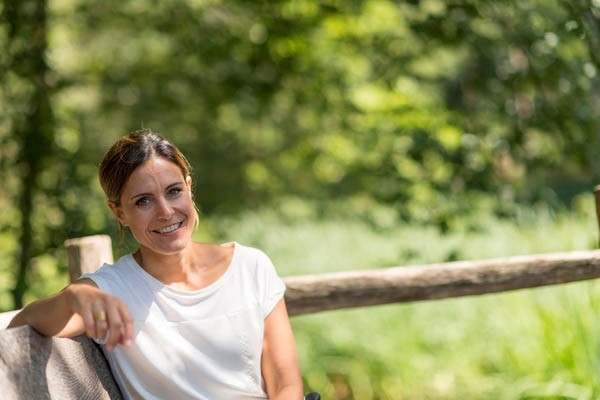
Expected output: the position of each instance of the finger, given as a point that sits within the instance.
(128, 329)
(89, 323)
(115, 327)
(100, 321)
(84, 300)
(121, 326)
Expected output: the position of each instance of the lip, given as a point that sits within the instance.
(169, 229)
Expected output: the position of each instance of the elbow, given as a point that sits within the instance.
(17, 320)
(292, 389)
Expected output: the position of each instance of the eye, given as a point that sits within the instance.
(174, 191)
(142, 201)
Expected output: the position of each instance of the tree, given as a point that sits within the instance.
(26, 85)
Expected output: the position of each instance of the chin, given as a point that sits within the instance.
(178, 246)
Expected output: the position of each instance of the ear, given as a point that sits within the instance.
(188, 180)
(117, 212)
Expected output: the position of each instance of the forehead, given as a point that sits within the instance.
(154, 170)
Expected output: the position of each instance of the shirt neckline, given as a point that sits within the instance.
(160, 286)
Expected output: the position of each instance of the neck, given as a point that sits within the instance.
(168, 269)
(195, 268)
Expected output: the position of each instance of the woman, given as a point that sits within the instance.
(176, 319)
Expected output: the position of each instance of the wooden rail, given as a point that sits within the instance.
(331, 291)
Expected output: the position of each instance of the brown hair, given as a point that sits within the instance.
(131, 151)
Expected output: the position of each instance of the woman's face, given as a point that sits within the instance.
(157, 206)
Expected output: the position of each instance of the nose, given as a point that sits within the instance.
(164, 209)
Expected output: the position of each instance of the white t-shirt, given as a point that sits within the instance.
(204, 344)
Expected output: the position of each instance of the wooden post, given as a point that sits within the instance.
(87, 254)
(597, 198)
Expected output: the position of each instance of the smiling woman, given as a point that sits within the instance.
(176, 318)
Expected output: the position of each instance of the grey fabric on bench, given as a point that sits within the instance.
(36, 367)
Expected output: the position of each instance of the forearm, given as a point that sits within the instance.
(50, 317)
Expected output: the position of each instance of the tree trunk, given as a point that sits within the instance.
(27, 43)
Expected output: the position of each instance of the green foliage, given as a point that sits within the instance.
(403, 102)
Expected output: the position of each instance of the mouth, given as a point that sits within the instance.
(170, 228)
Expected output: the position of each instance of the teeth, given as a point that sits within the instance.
(168, 229)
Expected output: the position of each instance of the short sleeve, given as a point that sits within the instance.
(272, 287)
(101, 277)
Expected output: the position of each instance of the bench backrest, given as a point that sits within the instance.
(37, 367)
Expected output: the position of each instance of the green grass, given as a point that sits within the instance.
(529, 344)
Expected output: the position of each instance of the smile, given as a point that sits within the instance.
(170, 228)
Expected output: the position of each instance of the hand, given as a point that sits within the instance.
(106, 318)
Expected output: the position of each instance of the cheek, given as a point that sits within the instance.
(139, 230)
(135, 218)
(185, 203)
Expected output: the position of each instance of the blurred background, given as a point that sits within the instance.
(334, 135)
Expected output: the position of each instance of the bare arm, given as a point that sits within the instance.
(72, 312)
(280, 367)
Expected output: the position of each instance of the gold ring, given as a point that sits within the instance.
(101, 316)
